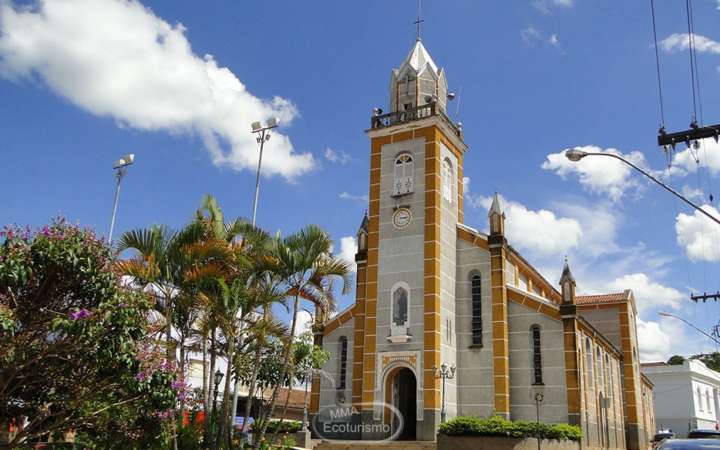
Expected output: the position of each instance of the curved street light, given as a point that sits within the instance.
(263, 135)
(667, 314)
(576, 155)
(120, 166)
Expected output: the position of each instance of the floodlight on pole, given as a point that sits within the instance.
(263, 136)
(575, 155)
(120, 166)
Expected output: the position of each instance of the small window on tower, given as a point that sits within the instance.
(407, 106)
(403, 175)
(447, 180)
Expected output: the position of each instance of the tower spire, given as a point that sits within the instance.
(418, 21)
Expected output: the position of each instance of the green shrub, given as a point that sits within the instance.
(287, 426)
(497, 426)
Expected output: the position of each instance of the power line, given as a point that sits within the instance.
(657, 65)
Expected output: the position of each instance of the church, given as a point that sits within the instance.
(449, 321)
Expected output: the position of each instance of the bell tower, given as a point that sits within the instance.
(406, 325)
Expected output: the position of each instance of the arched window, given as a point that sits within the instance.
(447, 180)
(403, 174)
(609, 371)
(537, 356)
(400, 309)
(343, 362)
(589, 362)
(476, 293)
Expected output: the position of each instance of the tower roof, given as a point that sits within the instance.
(495, 207)
(418, 58)
(567, 274)
(364, 224)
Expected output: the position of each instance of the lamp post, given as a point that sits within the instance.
(443, 374)
(263, 135)
(667, 314)
(308, 379)
(576, 155)
(218, 376)
(538, 399)
(120, 166)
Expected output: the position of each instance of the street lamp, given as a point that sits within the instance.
(308, 379)
(443, 374)
(667, 314)
(262, 137)
(120, 166)
(576, 155)
(538, 399)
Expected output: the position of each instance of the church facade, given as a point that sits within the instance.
(434, 293)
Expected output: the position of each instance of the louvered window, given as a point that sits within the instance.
(403, 175)
(537, 356)
(476, 293)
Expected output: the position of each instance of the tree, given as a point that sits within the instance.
(74, 353)
(306, 263)
(676, 360)
(711, 360)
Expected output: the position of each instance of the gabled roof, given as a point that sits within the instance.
(616, 297)
(495, 208)
(418, 58)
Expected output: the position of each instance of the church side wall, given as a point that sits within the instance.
(330, 375)
(522, 390)
(604, 319)
(475, 370)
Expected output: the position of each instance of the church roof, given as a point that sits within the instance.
(567, 274)
(603, 298)
(418, 58)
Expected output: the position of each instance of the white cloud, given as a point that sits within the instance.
(466, 185)
(679, 41)
(347, 196)
(692, 193)
(708, 155)
(698, 235)
(530, 35)
(348, 249)
(545, 6)
(304, 322)
(654, 342)
(554, 40)
(599, 224)
(598, 174)
(339, 157)
(648, 294)
(541, 231)
(117, 59)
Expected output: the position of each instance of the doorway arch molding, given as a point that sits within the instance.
(389, 363)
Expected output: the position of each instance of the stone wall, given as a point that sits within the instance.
(445, 442)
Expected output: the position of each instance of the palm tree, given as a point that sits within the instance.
(306, 263)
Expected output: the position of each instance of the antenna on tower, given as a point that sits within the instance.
(418, 21)
(459, 99)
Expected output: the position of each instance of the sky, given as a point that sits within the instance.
(177, 83)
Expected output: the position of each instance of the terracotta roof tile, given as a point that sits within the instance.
(602, 298)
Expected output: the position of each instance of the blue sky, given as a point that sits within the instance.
(84, 81)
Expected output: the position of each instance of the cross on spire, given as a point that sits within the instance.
(418, 21)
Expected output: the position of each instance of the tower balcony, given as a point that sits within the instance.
(412, 115)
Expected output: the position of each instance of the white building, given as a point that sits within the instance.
(686, 395)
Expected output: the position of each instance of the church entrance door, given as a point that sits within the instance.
(405, 400)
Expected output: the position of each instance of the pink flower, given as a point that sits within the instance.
(80, 314)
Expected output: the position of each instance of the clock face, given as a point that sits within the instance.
(401, 218)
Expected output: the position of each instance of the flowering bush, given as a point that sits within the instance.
(75, 348)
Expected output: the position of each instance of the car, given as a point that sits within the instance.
(690, 444)
(704, 434)
(661, 436)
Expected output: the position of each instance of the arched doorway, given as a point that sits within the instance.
(401, 392)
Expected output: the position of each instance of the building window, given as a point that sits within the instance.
(589, 362)
(699, 398)
(707, 402)
(400, 309)
(403, 174)
(447, 180)
(476, 293)
(537, 357)
(343, 362)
